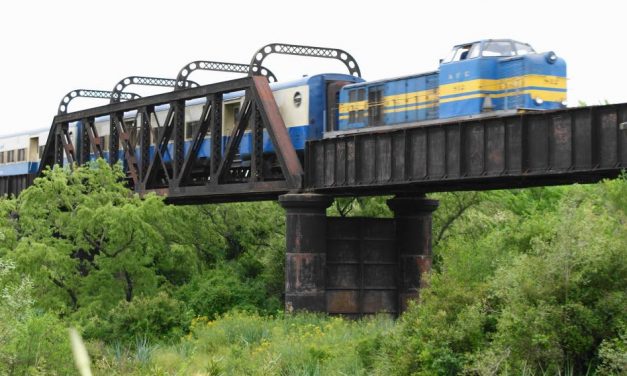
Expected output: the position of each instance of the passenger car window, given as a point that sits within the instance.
(498, 48)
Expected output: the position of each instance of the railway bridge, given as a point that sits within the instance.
(350, 266)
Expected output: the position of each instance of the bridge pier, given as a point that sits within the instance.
(305, 258)
(355, 266)
(413, 225)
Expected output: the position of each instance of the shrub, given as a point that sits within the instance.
(154, 318)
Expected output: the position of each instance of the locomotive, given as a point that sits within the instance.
(485, 78)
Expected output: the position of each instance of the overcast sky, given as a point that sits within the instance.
(52, 47)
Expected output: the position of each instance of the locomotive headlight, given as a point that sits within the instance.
(551, 57)
(564, 103)
(538, 101)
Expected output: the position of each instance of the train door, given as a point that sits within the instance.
(375, 105)
(33, 149)
(333, 104)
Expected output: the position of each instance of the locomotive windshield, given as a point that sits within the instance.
(490, 48)
(498, 48)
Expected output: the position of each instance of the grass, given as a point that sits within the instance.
(248, 344)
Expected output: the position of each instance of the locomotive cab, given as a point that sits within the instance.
(500, 74)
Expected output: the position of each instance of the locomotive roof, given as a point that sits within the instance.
(490, 40)
(384, 80)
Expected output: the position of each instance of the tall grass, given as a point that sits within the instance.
(248, 344)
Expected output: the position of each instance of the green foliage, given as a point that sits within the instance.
(531, 282)
(361, 207)
(91, 246)
(525, 282)
(154, 318)
(31, 343)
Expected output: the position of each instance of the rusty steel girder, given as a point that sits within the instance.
(565, 146)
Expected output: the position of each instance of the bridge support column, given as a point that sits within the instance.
(413, 217)
(305, 260)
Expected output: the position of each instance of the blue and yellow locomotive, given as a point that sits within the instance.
(476, 78)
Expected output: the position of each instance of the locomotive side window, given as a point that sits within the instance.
(375, 106)
(356, 116)
(523, 49)
(361, 94)
(475, 51)
(352, 95)
(498, 48)
(464, 52)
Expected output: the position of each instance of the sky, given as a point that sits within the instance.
(52, 47)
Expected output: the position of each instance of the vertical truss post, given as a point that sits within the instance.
(216, 135)
(179, 140)
(58, 144)
(114, 138)
(257, 145)
(84, 145)
(144, 142)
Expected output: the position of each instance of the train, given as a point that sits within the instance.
(489, 77)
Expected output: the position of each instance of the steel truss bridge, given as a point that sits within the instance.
(338, 265)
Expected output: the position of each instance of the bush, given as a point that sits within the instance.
(223, 289)
(154, 318)
(31, 343)
(543, 291)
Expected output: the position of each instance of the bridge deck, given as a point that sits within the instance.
(528, 149)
